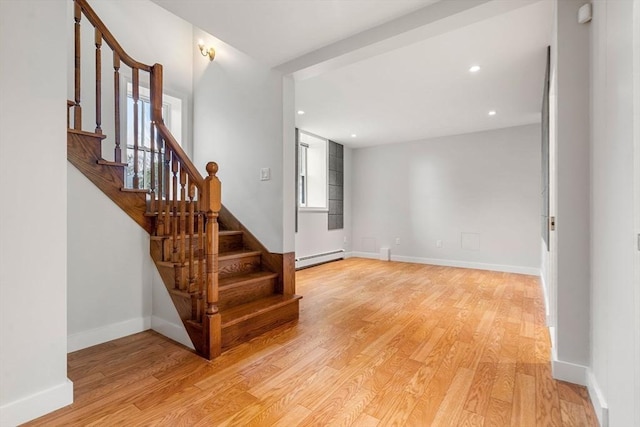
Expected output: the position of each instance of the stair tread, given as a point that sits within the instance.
(85, 133)
(232, 281)
(223, 256)
(246, 311)
(154, 214)
(134, 190)
(220, 233)
(110, 163)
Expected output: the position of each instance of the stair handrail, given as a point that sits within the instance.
(155, 89)
(191, 169)
(108, 37)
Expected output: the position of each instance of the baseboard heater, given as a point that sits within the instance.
(311, 260)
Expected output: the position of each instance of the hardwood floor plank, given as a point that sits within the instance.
(547, 400)
(523, 411)
(572, 414)
(377, 343)
(292, 418)
(478, 397)
(470, 419)
(498, 413)
(452, 405)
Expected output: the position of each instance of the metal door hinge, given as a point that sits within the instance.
(552, 223)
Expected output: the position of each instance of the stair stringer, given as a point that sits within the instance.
(85, 153)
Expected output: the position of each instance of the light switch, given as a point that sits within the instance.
(265, 174)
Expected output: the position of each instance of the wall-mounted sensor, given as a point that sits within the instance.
(585, 13)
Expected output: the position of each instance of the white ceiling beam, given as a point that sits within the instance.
(429, 21)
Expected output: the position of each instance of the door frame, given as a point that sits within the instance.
(636, 193)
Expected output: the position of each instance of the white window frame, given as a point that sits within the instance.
(303, 155)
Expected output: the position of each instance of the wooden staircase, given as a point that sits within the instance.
(226, 286)
(251, 297)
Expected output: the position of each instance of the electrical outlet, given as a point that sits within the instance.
(397, 240)
(265, 174)
(344, 239)
(438, 243)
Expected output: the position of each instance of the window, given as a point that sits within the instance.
(172, 115)
(312, 172)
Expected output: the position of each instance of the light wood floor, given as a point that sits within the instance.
(377, 343)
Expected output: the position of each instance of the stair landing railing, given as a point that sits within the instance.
(186, 204)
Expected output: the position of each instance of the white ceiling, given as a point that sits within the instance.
(426, 90)
(276, 31)
(393, 70)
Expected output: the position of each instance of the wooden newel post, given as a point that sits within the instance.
(212, 204)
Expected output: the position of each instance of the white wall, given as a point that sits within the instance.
(313, 236)
(571, 72)
(110, 269)
(112, 291)
(484, 183)
(238, 123)
(612, 221)
(33, 221)
(149, 34)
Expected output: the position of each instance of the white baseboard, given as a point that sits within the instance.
(369, 255)
(92, 337)
(172, 331)
(545, 292)
(453, 263)
(36, 405)
(597, 400)
(566, 371)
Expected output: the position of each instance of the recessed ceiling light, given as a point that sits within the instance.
(353, 135)
(493, 112)
(474, 69)
(300, 112)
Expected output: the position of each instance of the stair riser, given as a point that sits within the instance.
(230, 243)
(177, 277)
(236, 266)
(171, 274)
(227, 243)
(167, 248)
(253, 291)
(161, 220)
(243, 331)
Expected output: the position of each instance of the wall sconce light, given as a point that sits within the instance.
(206, 51)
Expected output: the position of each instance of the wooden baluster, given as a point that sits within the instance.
(117, 156)
(192, 270)
(136, 97)
(98, 41)
(152, 180)
(183, 214)
(77, 111)
(160, 190)
(212, 323)
(167, 189)
(156, 93)
(175, 255)
(201, 256)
